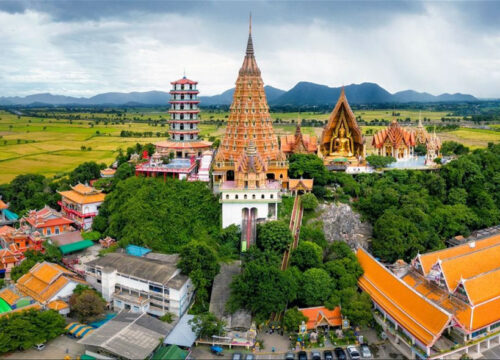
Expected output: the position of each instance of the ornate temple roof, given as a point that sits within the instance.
(249, 118)
(251, 161)
(184, 81)
(299, 142)
(340, 113)
(421, 134)
(395, 134)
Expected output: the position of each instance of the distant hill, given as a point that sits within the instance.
(302, 94)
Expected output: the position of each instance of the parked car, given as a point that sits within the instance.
(237, 356)
(249, 357)
(290, 356)
(315, 355)
(353, 352)
(302, 355)
(365, 351)
(327, 355)
(340, 353)
(40, 347)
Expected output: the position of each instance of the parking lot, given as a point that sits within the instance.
(55, 349)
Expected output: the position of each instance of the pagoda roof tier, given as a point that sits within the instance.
(184, 81)
(184, 101)
(249, 118)
(185, 91)
(168, 144)
(190, 131)
(184, 111)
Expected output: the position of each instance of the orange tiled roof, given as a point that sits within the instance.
(108, 171)
(83, 194)
(322, 316)
(57, 305)
(306, 183)
(9, 296)
(3, 205)
(469, 265)
(395, 134)
(8, 256)
(429, 259)
(483, 287)
(419, 316)
(44, 280)
(4, 230)
(299, 142)
(46, 217)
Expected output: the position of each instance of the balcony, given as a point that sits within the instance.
(75, 212)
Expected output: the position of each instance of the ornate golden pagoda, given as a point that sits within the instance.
(249, 120)
(421, 134)
(342, 139)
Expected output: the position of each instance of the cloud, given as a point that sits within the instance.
(71, 48)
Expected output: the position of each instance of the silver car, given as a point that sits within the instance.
(353, 352)
(365, 351)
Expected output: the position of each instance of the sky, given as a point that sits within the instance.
(82, 48)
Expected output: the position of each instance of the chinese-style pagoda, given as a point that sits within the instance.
(249, 120)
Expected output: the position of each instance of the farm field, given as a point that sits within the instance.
(54, 146)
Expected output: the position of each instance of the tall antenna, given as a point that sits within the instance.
(250, 24)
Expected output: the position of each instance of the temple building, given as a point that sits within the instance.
(342, 141)
(298, 143)
(251, 196)
(46, 222)
(454, 291)
(179, 157)
(249, 120)
(433, 149)
(394, 141)
(81, 204)
(421, 134)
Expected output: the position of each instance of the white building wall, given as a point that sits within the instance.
(65, 292)
(132, 283)
(108, 282)
(232, 212)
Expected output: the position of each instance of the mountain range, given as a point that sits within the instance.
(302, 94)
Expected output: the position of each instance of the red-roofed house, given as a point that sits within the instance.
(46, 221)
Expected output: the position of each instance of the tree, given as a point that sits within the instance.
(199, 262)
(453, 148)
(313, 232)
(379, 162)
(262, 289)
(307, 255)
(356, 306)
(317, 286)
(124, 171)
(309, 201)
(23, 330)
(292, 319)
(274, 236)
(85, 172)
(308, 166)
(420, 150)
(207, 325)
(88, 305)
(229, 242)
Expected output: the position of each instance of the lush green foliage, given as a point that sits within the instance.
(453, 148)
(313, 231)
(207, 325)
(86, 172)
(274, 236)
(309, 201)
(23, 330)
(414, 211)
(229, 242)
(307, 255)
(316, 287)
(420, 150)
(293, 319)
(378, 161)
(92, 235)
(308, 166)
(161, 216)
(168, 317)
(199, 262)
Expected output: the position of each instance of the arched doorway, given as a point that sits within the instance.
(230, 175)
(270, 176)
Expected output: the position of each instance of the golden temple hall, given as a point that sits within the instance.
(249, 121)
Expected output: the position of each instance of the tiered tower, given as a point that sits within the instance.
(184, 119)
(249, 120)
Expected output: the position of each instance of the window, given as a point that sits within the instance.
(272, 196)
(49, 232)
(155, 288)
(236, 197)
(227, 196)
(263, 196)
(57, 230)
(98, 281)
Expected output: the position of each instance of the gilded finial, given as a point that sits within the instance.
(250, 24)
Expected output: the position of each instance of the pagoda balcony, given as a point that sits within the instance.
(184, 91)
(181, 101)
(193, 121)
(184, 111)
(182, 132)
(76, 212)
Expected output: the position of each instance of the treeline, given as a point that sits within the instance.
(125, 133)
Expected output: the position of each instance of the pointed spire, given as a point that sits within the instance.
(250, 42)
(342, 91)
(297, 129)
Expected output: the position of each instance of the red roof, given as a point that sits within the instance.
(320, 315)
(46, 217)
(184, 80)
(393, 134)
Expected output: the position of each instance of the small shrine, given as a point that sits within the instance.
(342, 138)
(433, 149)
(298, 143)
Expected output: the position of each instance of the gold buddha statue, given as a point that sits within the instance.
(341, 145)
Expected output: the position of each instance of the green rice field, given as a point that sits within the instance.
(51, 144)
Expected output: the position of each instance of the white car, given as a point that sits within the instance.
(40, 347)
(353, 352)
(365, 351)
